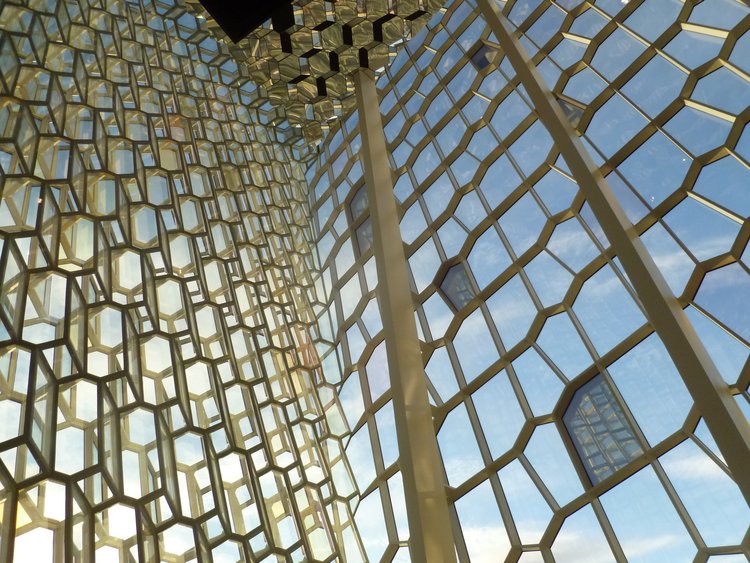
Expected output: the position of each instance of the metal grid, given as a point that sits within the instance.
(165, 302)
(522, 302)
(304, 66)
(161, 397)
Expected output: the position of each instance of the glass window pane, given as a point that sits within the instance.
(601, 433)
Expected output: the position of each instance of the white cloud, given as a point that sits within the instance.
(486, 544)
(573, 547)
(639, 547)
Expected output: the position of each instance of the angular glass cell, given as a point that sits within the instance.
(646, 522)
(386, 424)
(458, 447)
(698, 131)
(727, 352)
(531, 148)
(556, 191)
(439, 315)
(360, 457)
(740, 52)
(522, 10)
(606, 310)
(692, 48)
(549, 278)
(549, 458)
(572, 245)
(568, 52)
(371, 524)
(597, 424)
(450, 136)
(452, 236)
(655, 85)
(723, 14)
(653, 17)
(509, 114)
(634, 208)
(425, 163)
(424, 264)
(582, 526)
(723, 89)
(482, 143)
(616, 53)
(656, 169)
(470, 210)
(355, 343)
(413, 223)
(531, 513)
(457, 286)
(541, 385)
(675, 265)
(438, 195)
(378, 378)
(482, 524)
(711, 497)
(488, 258)
(588, 24)
(614, 124)
(726, 182)
(474, 110)
(20, 205)
(440, 372)
(464, 168)
(562, 344)
(547, 25)
(705, 232)
(523, 223)
(364, 236)
(584, 86)
(723, 294)
(571, 111)
(474, 345)
(402, 188)
(350, 397)
(396, 492)
(652, 388)
(499, 413)
(513, 310)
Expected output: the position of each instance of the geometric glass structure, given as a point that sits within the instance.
(478, 180)
(203, 354)
(602, 435)
(457, 286)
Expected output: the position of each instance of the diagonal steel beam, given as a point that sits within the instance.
(711, 394)
(430, 536)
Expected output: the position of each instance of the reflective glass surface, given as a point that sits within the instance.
(193, 365)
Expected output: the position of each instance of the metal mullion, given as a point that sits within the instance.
(431, 538)
(712, 396)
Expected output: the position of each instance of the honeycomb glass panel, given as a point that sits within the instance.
(195, 345)
(457, 286)
(603, 436)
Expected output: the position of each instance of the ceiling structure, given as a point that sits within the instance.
(238, 18)
(302, 53)
(193, 365)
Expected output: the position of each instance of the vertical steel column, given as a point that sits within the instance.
(431, 539)
(711, 394)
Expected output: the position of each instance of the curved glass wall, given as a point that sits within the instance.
(192, 358)
(560, 417)
(161, 398)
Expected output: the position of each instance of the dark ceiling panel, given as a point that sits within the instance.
(239, 17)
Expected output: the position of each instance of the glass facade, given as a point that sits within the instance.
(193, 361)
